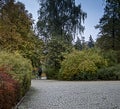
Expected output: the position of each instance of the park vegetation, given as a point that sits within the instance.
(20, 50)
(59, 23)
(15, 78)
(55, 45)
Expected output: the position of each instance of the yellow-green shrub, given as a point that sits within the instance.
(19, 67)
(85, 62)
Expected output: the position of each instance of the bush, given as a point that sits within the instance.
(9, 90)
(109, 73)
(81, 65)
(19, 67)
(111, 57)
(51, 72)
(118, 56)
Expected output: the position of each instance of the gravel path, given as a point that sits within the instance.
(50, 94)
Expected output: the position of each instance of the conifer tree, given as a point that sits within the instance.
(78, 44)
(90, 42)
(109, 26)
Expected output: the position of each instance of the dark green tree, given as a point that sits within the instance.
(109, 25)
(78, 44)
(58, 23)
(2, 2)
(60, 18)
(54, 56)
(90, 42)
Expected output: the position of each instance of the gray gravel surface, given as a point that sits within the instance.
(50, 94)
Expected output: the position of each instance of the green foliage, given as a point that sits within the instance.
(111, 57)
(51, 73)
(19, 67)
(15, 24)
(60, 18)
(109, 73)
(16, 32)
(58, 38)
(109, 26)
(54, 56)
(90, 42)
(118, 56)
(33, 50)
(81, 64)
(78, 44)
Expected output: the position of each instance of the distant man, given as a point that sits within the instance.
(39, 72)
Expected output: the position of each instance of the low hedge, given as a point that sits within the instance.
(19, 68)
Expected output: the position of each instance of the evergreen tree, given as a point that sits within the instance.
(78, 44)
(2, 2)
(109, 26)
(90, 42)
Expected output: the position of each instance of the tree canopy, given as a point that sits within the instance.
(16, 32)
(60, 18)
(109, 26)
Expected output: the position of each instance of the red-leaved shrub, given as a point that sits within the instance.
(9, 90)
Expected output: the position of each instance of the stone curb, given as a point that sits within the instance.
(17, 105)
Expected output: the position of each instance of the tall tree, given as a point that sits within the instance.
(90, 42)
(78, 44)
(2, 2)
(54, 56)
(109, 26)
(15, 25)
(60, 18)
(16, 33)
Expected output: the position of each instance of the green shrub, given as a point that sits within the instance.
(118, 56)
(109, 73)
(51, 72)
(19, 67)
(81, 65)
(111, 56)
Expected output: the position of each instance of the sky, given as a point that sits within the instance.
(93, 8)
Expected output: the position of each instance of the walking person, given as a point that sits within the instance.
(39, 72)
